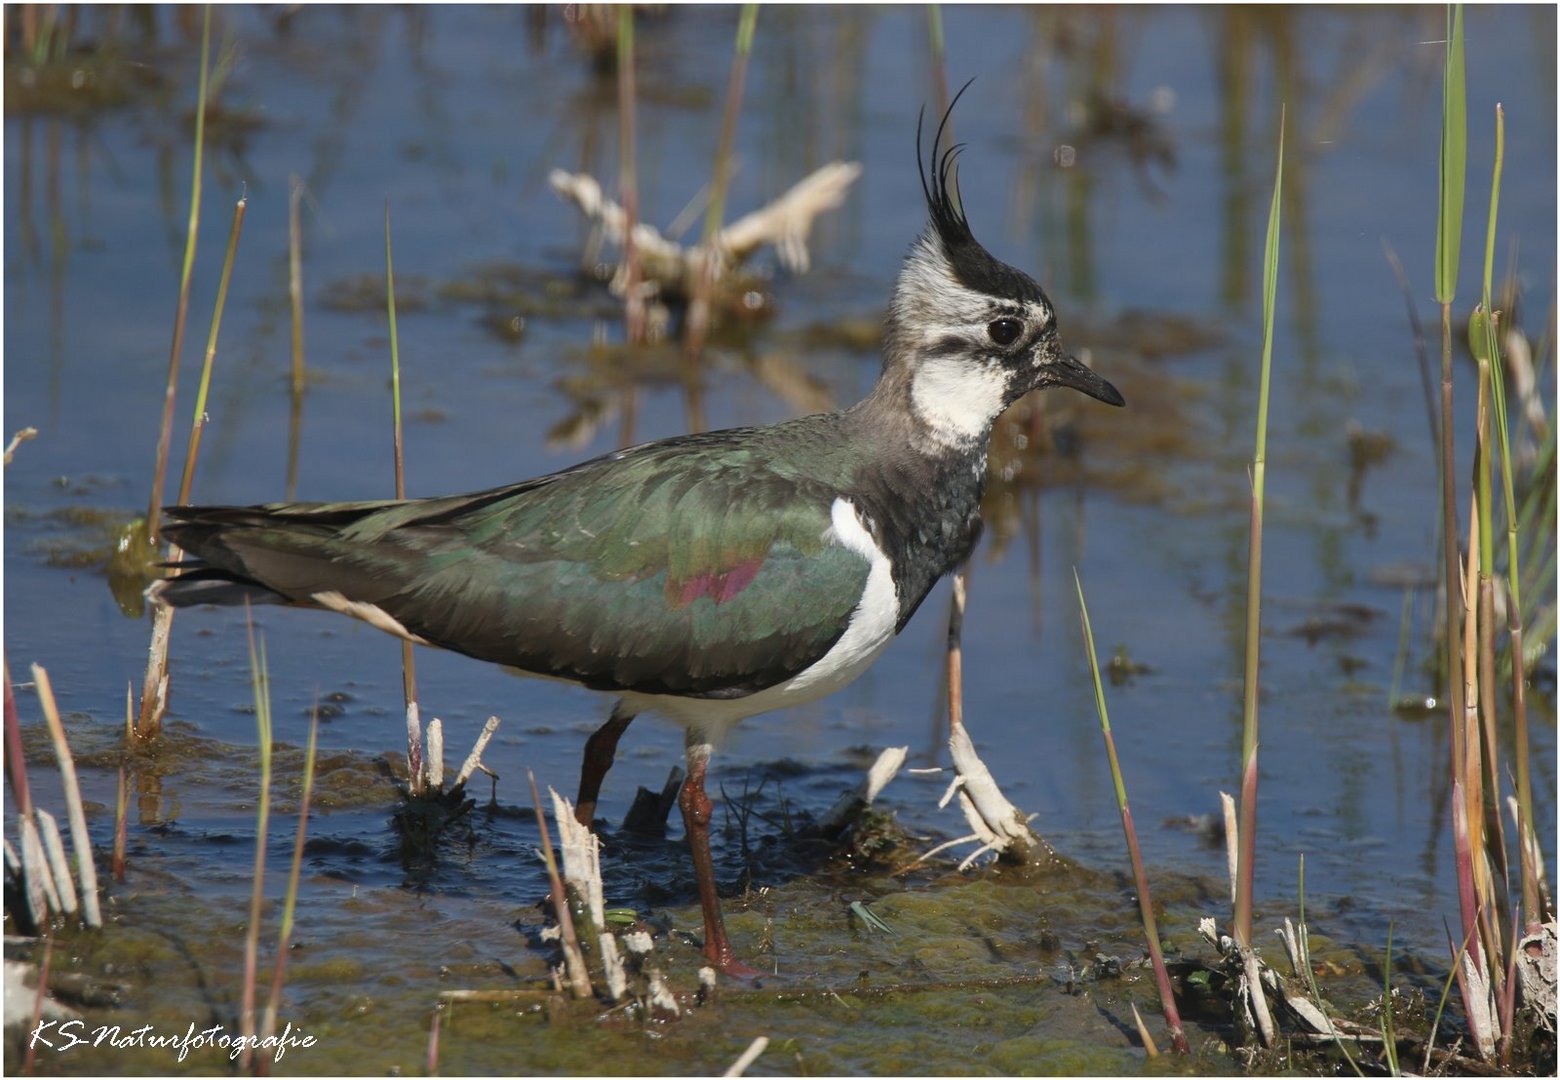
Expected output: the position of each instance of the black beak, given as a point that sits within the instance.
(1070, 371)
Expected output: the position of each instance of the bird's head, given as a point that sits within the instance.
(972, 333)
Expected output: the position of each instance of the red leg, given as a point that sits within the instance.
(696, 809)
(600, 752)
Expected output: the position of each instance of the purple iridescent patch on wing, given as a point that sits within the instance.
(719, 586)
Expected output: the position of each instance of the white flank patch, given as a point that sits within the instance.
(372, 614)
(871, 624)
(870, 630)
(958, 400)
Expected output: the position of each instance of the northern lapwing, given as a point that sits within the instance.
(708, 577)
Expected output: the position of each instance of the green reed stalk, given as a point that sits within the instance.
(939, 45)
(1388, 1037)
(1139, 873)
(1245, 886)
(154, 686)
(198, 421)
(628, 177)
(704, 283)
(260, 679)
(1490, 325)
(122, 796)
(295, 278)
(408, 661)
(1448, 240)
(1466, 778)
(165, 431)
(290, 903)
(1484, 345)
(295, 303)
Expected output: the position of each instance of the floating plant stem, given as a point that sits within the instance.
(750, 1055)
(1246, 869)
(20, 437)
(1139, 874)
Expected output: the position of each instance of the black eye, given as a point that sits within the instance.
(1005, 331)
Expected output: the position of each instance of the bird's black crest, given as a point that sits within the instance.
(974, 266)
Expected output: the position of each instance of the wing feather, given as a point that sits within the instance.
(685, 567)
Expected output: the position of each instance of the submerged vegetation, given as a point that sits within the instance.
(1039, 966)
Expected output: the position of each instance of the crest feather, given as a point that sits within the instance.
(973, 265)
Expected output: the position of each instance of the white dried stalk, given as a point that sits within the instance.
(433, 760)
(660, 996)
(413, 745)
(1536, 974)
(59, 866)
(1291, 948)
(1528, 838)
(474, 758)
(41, 895)
(581, 853)
(1231, 838)
(1479, 1006)
(1519, 361)
(155, 687)
(784, 223)
(612, 967)
(1309, 1013)
(750, 1055)
(998, 822)
(80, 839)
(852, 802)
(639, 942)
(22, 993)
(1252, 985)
(884, 769)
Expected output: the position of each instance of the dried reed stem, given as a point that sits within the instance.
(80, 839)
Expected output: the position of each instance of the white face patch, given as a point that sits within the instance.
(958, 400)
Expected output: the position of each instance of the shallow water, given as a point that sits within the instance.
(1144, 219)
